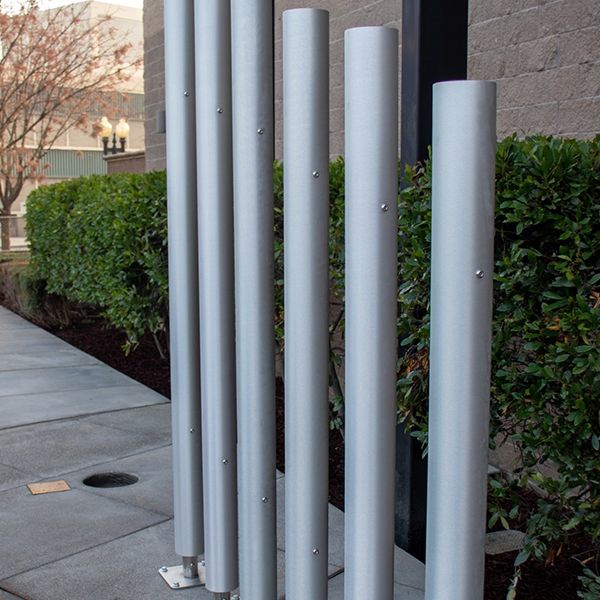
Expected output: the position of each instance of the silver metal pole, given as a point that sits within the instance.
(371, 75)
(183, 288)
(252, 73)
(215, 244)
(306, 213)
(464, 146)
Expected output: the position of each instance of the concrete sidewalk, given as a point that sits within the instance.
(65, 415)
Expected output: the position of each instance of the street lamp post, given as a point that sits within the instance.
(121, 132)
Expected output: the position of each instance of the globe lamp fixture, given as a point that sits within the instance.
(121, 132)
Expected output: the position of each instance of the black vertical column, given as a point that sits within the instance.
(434, 48)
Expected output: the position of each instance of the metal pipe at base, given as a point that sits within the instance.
(190, 567)
(463, 160)
(371, 80)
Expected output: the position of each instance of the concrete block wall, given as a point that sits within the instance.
(154, 82)
(545, 55)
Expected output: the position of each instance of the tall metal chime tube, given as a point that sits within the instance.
(252, 70)
(215, 246)
(306, 209)
(464, 145)
(371, 79)
(183, 278)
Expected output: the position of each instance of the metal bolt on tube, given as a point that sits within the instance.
(371, 113)
(183, 283)
(215, 264)
(464, 155)
(306, 210)
(252, 82)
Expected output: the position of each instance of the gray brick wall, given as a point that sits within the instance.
(545, 55)
(154, 82)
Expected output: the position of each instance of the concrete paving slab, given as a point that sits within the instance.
(56, 448)
(16, 324)
(335, 589)
(6, 314)
(42, 359)
(61, 379)
(29, 338)
(36, 408)
(124, 569)
(10, 322)
(154, 419)
(45, 528)
(408, 571)
(153, 491)
(94, 542)
(10, 478)
(336, 536)
(280, 512)
(401, 592)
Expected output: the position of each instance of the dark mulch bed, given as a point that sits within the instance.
(539, 582)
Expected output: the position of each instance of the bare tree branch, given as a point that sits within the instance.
(58, 69)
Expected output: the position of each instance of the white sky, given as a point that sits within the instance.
(55, 3)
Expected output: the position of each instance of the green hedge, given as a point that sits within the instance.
(102, 241)
(545, 354)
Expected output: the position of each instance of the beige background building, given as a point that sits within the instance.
(545, 55)
(78, 152)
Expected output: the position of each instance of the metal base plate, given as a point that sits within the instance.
(176, 581)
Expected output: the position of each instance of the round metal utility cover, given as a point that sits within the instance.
(110, 480)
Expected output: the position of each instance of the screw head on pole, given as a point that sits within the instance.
(384, 207)
(224, 461)
(260, 131)
(264, 499)
(186, 93)
(479, 274)
(220, 110)
(316, 174)
(316, 551)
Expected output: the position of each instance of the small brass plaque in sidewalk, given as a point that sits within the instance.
(48, 487)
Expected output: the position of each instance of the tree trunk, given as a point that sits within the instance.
(5, 231)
